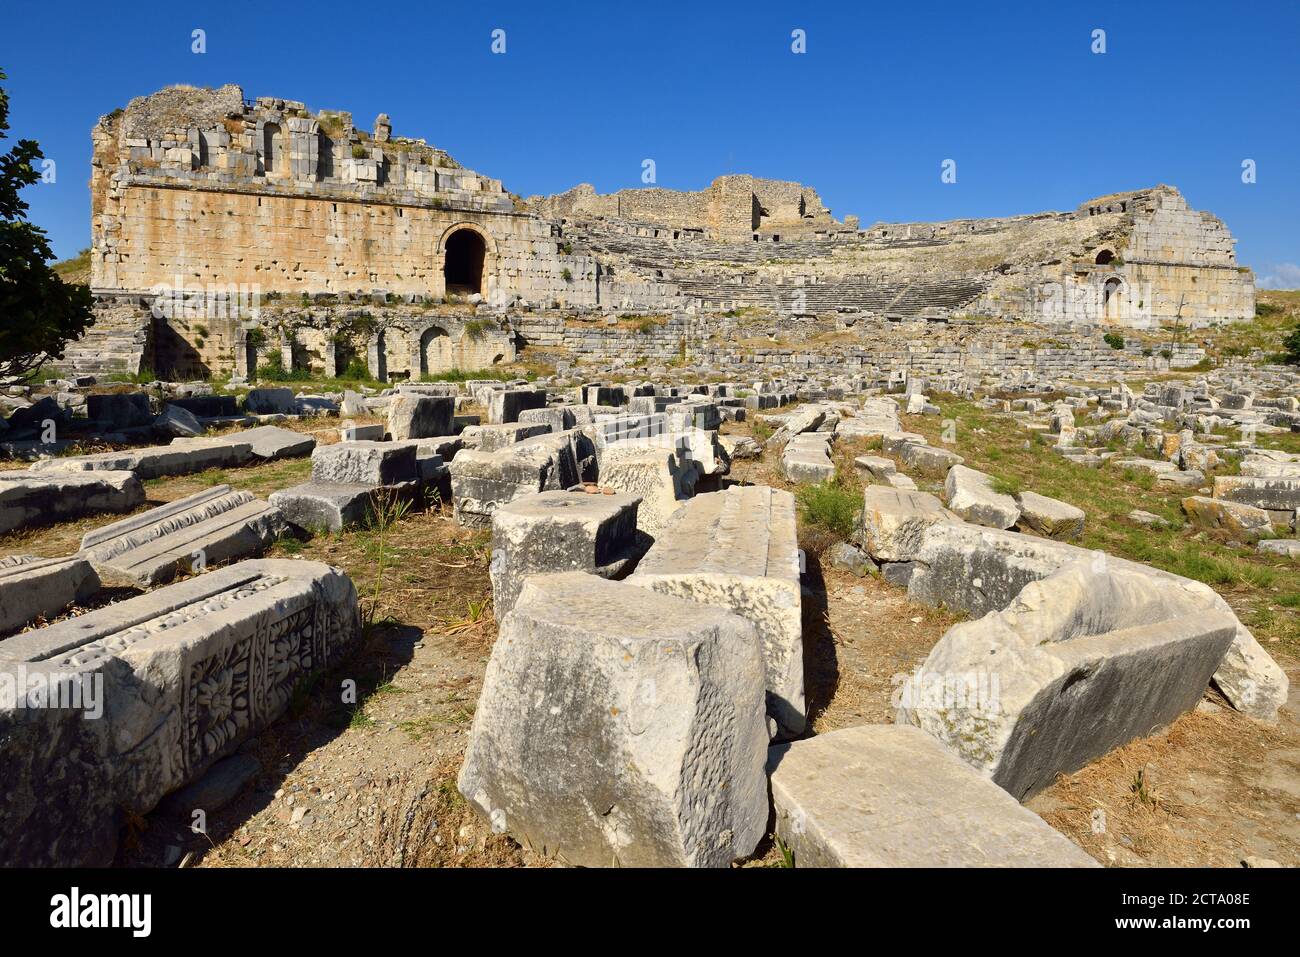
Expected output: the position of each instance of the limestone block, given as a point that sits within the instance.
(333, 506)
(270, 401)
(738, 549)
(806, 419)
(970, 494)
(361, 433)
(877, 466)
(560, 531)
(978, 570)
(702, 447)
(353, 404)
(560, 418)
(313, 405)
(693, 415)
(505, 405)
(893, 796)
(1283, 547)
(182, 457)
(893, 521)
(621, 727)
(32, 498)
(420, 416)
(596, 395)
(272, 443)
(617, 429)
(365, 463)
(806, 458)
(1243, 523)
(208, 528)
(893, 443)
(1082, 662)
(180, 677)
(489, 438)
(178, 421)
(122, 410)
(1192, 479)
(1050, 517)
(740, 447)
(1279, 493)
(659, 477)
(482, 481)
(1154, 466)
(32, 587)
(927, 458)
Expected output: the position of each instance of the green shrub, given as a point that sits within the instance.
(477, 329)
(1291, 347)
(830, 506)
(356, 371)
(1114, 340)
(272, 369)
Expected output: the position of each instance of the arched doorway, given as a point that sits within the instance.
(462, 266)
(1105, 257)
(435, 351)
(1111, 299)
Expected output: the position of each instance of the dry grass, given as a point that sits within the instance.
(1259, 587)
(1191, 795)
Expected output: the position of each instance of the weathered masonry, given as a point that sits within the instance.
(296, 223)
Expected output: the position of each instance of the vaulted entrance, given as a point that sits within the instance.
(462, 267)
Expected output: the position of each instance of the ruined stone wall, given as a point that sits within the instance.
(199, 187)
(731, 209)
(199, 190)
(876, 349)
(604, 340)
(295, 244)
(391, 342)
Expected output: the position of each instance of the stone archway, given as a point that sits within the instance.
(1112, 296)
(436, 351)
(465, 256)
(463, 259)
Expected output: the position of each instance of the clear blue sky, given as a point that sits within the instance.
(586, 91)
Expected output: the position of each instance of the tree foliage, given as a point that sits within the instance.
(1291, 347)
(39, 312)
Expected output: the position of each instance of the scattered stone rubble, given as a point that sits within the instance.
(650, 612)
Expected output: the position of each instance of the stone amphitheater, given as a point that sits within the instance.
(387, 518)
(226, 229)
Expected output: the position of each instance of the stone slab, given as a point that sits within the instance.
(32, 587)
(180, 678)
(43, 497)
(892, 796)
(738, 549)
(190, 534)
